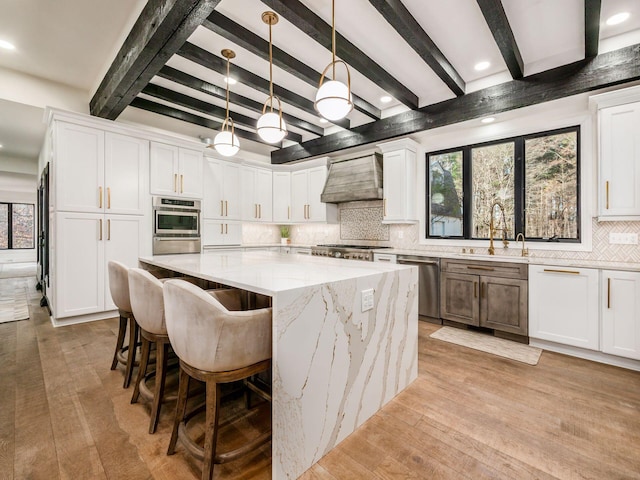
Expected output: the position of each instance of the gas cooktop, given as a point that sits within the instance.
(351, 252)
(360, 247)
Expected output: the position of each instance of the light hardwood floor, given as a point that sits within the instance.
(64, 415)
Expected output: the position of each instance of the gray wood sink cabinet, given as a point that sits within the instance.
(486, 294)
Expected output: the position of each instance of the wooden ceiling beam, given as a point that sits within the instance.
(592, 10)
(186, 101)
(218, 64)
(311, 24)
(397, 15)
(498, 23)
(160, 30)
(174, 75)
(605, 70)
(232, 31)
(167, 111)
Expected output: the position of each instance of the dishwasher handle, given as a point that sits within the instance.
(422, 262)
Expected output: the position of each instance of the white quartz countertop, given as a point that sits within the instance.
(268, 272)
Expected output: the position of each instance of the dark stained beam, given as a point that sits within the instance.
(397, 15)
(161, 109)
(218, 64)
(605, 70)
(190, 81)
(498, 22)
(239, 35)
(591, 27)
(311, 24)
(186, 101)
(160, 30)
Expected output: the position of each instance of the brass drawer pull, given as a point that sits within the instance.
(100, 229)
(475, 289)
(486, 269)
(551, 270)
(175, 182)
(181, 183)
(222, 208)
(108, 197)
(226, 208)
(606, 187)
(99, 197)
(608, 293)
(108, 229)
(483, 290)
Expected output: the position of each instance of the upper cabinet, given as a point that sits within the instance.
(399, 181)
(98, 171)
(282, 197)
(175, 171)
(306, 187)
(618, 116)
(257, 197)
(221, 196)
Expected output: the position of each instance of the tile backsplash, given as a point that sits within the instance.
(361, 223)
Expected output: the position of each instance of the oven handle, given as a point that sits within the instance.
(423, 262)
(173, 239)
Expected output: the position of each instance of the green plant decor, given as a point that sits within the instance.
(284, 231)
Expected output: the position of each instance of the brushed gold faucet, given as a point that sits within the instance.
(492, 228)
(525, 251)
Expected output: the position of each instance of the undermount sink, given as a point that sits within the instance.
(498, 257)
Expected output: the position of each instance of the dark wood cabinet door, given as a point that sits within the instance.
(503, 304)
(459, 298)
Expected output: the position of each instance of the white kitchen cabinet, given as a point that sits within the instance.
(399, 181)
(85, 243)
(221, 195)
(282, 197)
(619, 184)
(257, 194)
(563, 305)
(99, 172)
(306, 188)
(175, 171)
(217, 232)
(620, 318)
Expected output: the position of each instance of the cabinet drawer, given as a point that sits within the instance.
(490, 269)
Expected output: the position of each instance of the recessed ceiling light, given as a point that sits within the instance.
(323, 120)
(385, 99)
(0, 145)
(487, 120)
(7, 45)
(618, 18)
(482, 66)
(230, 80)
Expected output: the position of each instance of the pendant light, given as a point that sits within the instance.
(271, 127)
(333, 99)
(226, 142)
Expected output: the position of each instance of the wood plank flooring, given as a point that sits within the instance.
(470, 415)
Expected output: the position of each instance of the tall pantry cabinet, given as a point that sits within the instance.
(100, 210)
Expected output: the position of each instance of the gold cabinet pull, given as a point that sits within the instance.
(108, 197)
(551, 270)
(608, 293)
(255, 210)
(475, 289)
(108, 229)
(606, 189)
(308, 212)
(384, 207)
(221, 228)
(100, 197)
(100, 229)
(175, 182)
(486, 269)
(222, 208)
(259, 210)
(181, 183)
(226, 228)
(226, 208)
(288, 213)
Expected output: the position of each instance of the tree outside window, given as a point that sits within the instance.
(17, 226)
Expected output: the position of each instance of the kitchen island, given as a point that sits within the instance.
(334, 365)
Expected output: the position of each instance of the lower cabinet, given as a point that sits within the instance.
(563, 305)
(85, 243)
(620, 313)
(217, 232)
(485, 294)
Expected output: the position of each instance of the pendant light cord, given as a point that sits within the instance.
(333, 36)
(270, 68)
(228, 80)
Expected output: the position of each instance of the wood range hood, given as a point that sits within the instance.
(354, 179)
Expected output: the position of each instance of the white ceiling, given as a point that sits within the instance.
(73, 42)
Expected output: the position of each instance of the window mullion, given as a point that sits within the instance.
(519, 186)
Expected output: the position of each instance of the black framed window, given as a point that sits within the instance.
(17, 226)
(534, 179)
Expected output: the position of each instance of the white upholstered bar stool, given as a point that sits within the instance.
(148, 308)
(215, 345)
(119, 288)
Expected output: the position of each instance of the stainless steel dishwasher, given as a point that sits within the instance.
(428, 285)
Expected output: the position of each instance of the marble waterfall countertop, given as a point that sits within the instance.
(334, 365)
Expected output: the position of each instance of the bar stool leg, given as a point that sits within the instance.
(122, 330)
(142, 369)
(161, 374)
(181, 409)
(131, 354)
(211, 428)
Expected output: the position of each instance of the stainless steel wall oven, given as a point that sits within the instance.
(176, 226)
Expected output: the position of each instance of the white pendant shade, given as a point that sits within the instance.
(333, 100)
(271, 128)
(226, 143)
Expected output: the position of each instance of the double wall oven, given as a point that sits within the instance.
(176, 226)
